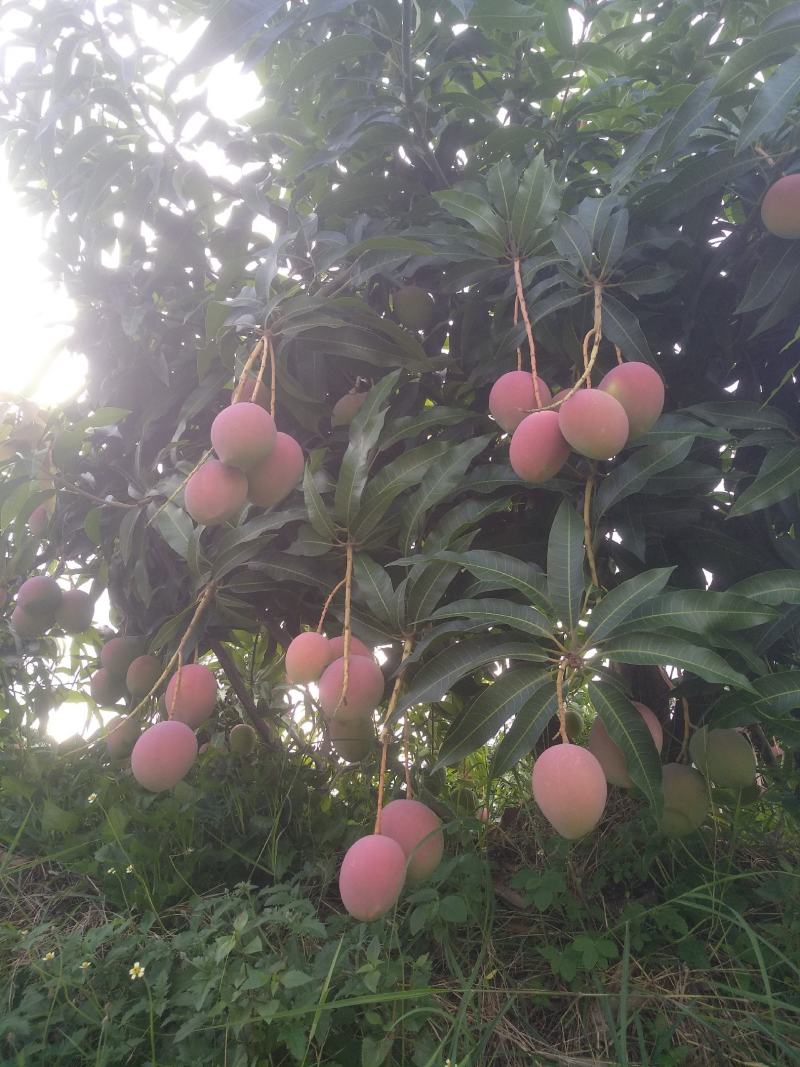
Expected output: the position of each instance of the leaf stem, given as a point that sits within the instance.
(528, 330)
(348, 603)
(587, 529)
(408, 645)
(562, 710)
(327, 604)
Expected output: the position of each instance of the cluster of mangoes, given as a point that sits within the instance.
(41, 604)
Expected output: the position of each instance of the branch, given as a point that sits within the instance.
(228, 665)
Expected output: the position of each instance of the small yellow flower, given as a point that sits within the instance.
(129, 869)
(86, 965)
(137, 971)
(92, 798)
(24, 933)
(111, 870)
(48, 956)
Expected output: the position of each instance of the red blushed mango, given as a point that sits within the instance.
(121, 734)
(780, 208)
(594, 423)
(243, 434)
(106, 688)
(75, 612)
(611, 757)
(372, 876)
(357, 648)
(119, 653)
(538, 450)
(365, 685)
(418, 831)
(215, 493)
(570, 789)
(192, 700)
(512, 398)
(686, 802)
(640, 390)
(142, 675)
(163, 755)
(275, 477)
(346, 408)
(25, 626)
(352, 739)
(307, 657)
(39, 520)
(40, 597)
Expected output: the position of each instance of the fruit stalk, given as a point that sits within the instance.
(348, 603)
(587, 529)
(562, 708)
(528, 329)
(596, 334)
(687, 729)
(259, 345)
(327, 604)
(408, 645)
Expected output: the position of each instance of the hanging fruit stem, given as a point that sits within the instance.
(272, 376)
(595, 335)
(406, 757)
(687, 729)
(259, 347)
(587, 529)
(408, 645)
(327, 604)
(562, 708)
(516, 320)
(348, 603)
(528, 330)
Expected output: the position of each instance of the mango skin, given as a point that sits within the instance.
(372, 876)
(25, 626)
(538, 449)
(352, 739)
(640, 390)
(40, 597)
(418, 831)
(119, 653)
(142, 675)
(121, 734)
(307, 657)
(39, 520)
(193, 701)
(346, 408)
(105, 687)
(686, 802)
(414, 307)
(215, 493)
(365, 685)
(243, 434)
(512, 398)
(75, 612)
(608, 753)
(273, 478)
(570, 789)
(357, 648)
(163, 755)
(242, 739)
(780, 208)
(594, 423)
(724, 756)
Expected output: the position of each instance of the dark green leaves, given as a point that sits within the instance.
(698, 612)
(565, 557)
(364, 432)
(774, 99)
(778, 477)
(663, 650)
(493, 612)
(628, 730)
(535, 204)
(615, 607)
(529, 724)
(484, 717)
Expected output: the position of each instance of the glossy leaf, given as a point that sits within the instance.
(628, 730)
(565, 564)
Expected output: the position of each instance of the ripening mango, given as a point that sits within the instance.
(357, 648)
(512, 398)
(570, 789)
(780, 208)
(163, 755)
(75, 612)
(608, 753)
(414, 307)
(40, 597)
(192, 694)
(594, 423)
(242, 739)
(106, 688)
(39, 520)
(243, 434)
(352, 739)
(121, 734)
(418, 831)
(215, 493)
(365, 684)
(119, 653)
(538, 449)
(640, 390)
(372, 876)
(142, 675)
(273, 478)
(307, 657)
(686, 803)
(724, 756)
(346, 408)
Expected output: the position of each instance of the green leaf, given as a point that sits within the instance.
(778, 477)
(565, 559)
(402, 473)
(480, 215)
(343, 48)
(615, 607)
(487, 713)
(502, 183)
(779, 262)
(527, 728)
(699, 612)
(622, 328)
(237, 546)
(364, 433)
(700, 177)
(433, 680)
(535, 203)
(315, 506)
(632, 475)
(175, 527)
(495, 612)
(558, 26)
(437, 484)
(696, 110)
(662, 650)
(572, 241)
(774, 698)
(504, 572)
(505, 15)
(771, 587)
(775, 98)
(629, 731)
(374, 587)
(429, 420)
(755, 55)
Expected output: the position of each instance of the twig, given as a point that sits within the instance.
(687, 728)
(528, 330)
(172, 495)
(516, 320)
(408, 645)
(618, 354)
(327, 604)
(406, 758)
(237, 392)
(272, 377)
(348, 600)
(597, 335)
(226, 661)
